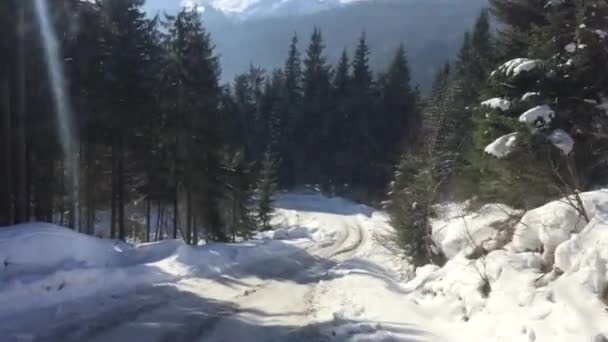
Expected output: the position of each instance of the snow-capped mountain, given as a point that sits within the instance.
(249, 9)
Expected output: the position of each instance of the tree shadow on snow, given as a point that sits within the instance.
(166, 313)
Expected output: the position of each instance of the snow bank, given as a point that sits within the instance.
(538, 117)
(504, 296)
(497, 103)
(456, 231)
(554, 223)
(42, 248)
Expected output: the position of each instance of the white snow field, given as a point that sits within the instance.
(328, 272)
(320, 275)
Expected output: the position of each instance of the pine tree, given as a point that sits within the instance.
(266, 188)
(400, 124)
(237, 195)
(567, 56)
(192, 87)
(293, 74)
(291, 102)
(310, 132)
(338, 123)
(362, 146)
(125, 30)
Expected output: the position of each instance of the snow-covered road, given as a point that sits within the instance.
(314, 281)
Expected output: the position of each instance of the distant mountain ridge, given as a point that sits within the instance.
(431, 31)
(250, 9)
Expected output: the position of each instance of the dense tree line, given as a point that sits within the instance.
(339, 126)
(518, 118)
(132, 118)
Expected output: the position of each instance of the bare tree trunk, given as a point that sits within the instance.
(194, 232)
(162, 224)
(148, 218)
(175, 211)
(158, 221)
(121, 189)
(88, 188)
(61, 193)
(188, 237)
(114, 189)
(50, 196)
(21, 200)
(6, 217)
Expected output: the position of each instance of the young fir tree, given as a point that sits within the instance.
(266, 187)
(399, 107)
(311, 134)
(290, 109)
(362, 147)
(237, 195)
(338, 123)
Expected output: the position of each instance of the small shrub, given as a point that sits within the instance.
(485, 288)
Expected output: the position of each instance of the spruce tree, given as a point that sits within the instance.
(362, 147)
(192, 85)
(400, 124)
(339, 124)
(311, 134)
(237, 194)
(559, 150)
(266, 187)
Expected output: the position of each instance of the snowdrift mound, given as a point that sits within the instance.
(555, 222)
(456, 231)
(509, 293)
(42, 248)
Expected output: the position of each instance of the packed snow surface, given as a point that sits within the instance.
(502, 146)
(328, 271)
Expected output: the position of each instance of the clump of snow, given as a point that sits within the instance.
(601, 33)
(538, 117)
(527, 96)
(603, 105)
(562, 140)
(570, 47)
(516, 66)
(497, 103)
(502, 146)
